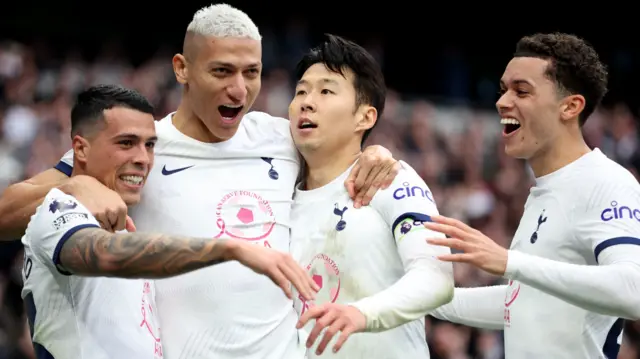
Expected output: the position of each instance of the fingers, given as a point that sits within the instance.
(457, 257)
(379, 180)
(118, 219)
(321, 323)
(104, 222)
(447, 229)
(453, 243)
(350, 181)
(335, 327)
(454, 223)
(299, 278)
(344, 335)
(281, 281)
(371, 186)
(129, 225)
(313, 313)
(363, 173)
(391, 175)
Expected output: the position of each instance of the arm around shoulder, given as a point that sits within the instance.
(19, 202)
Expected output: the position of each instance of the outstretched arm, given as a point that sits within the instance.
(92, 251)
(95, 252)
(476, 307)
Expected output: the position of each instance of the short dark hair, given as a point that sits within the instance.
(92, 102)
(574, 66)
(339, 54)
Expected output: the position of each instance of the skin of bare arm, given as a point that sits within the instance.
(97, 252)
(19, 202)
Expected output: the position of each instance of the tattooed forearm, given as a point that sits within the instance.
(96, 252)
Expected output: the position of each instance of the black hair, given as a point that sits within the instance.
(339, 54)
(92, 102)
(574, 66)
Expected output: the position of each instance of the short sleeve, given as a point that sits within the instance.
(55, 221)
(610, 218)
(66, 163)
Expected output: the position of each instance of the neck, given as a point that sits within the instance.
(322, 168)
(187, 122)
(563, 151)
(78, 168)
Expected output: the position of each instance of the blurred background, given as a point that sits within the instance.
(442, 68)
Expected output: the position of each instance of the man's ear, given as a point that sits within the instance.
(571, 107)
(81, 148)
(367, 117)
(180, 68)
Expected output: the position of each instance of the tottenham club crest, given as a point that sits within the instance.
(62, 206)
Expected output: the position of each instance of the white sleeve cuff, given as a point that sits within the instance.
(515, 261)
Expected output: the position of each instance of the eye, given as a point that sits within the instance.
(300, 92)
(126, 143)
(326, 91)
(221, 71)
(150, 145)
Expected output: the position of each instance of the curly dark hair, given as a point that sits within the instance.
(574, 66)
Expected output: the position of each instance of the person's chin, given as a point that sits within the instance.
(517, 151)
(131, 199)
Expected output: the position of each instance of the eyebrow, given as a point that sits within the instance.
(131, 136)
(324, 80)
(516, 82)
(230, 65)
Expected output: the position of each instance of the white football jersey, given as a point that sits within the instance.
(572, 215)
(81, 317)
(353, 254)
(241, 188)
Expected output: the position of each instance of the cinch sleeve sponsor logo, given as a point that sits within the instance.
(617, 211)
(407, 190)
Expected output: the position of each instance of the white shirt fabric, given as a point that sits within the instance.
(241, 188)
(573, 267)
(376, 259)
(81, 317)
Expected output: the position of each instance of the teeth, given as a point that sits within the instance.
(232, 106)
(509, 121)
(134, 180)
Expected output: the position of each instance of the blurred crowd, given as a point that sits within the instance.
(456, 150)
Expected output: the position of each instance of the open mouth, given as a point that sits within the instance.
(306, 124)
(510, 125)
(229, 113)
(132, 180)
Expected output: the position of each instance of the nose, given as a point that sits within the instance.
(237, 89)
(504, 102)
(143, 157)
(307, 103)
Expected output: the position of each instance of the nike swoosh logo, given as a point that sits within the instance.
(167, 172)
